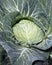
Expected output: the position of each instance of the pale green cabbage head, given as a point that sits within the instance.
(27, 32)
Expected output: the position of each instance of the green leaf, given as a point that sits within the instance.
(23, 56)
(45, 44)
(51, 54)
(1, 49)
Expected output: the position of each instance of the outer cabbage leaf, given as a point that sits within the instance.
(23, 56)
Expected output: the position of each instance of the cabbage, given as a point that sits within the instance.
(28, 32)
(25, 30)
